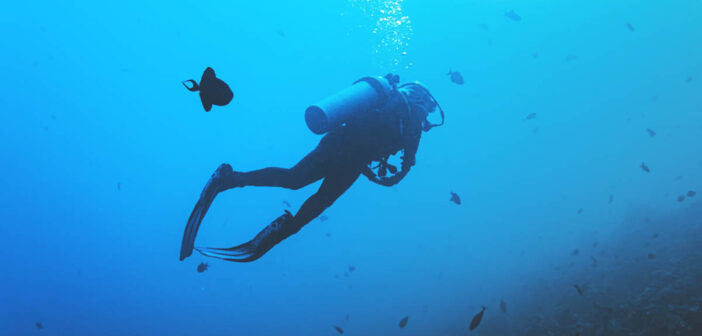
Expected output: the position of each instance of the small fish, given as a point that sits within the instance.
(535, 54)
(39, 325)
(455, 198)
(654, 236)
(645, 168)
(577, 288)
(571, 57)
(287, 204)
(213, 91)
(651, 132)
(630, 26)
(338, 329)
(691, 193)
(455, 77)
(512, 15)
(689, 79)
(328, 235)
(651, 256)
(681, 198)
(595, 244)
(611, 198)
(503, 306)
(202, 267)
(580, 211)
(576, 252)
(483, 26)
(530, 116)
(119, 186)
(594, 261)
(280, 33)
(403, 322)
(348, 317)
(477, 318)
(323, 218)
(352, 268)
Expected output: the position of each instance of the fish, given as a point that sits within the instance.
(654, 236)
(352, 268)
(403, 322)
(681, 198)
(512, 15)
(213, 91)
(576, 252)
(455, 198)
(594, 261)
(483, 26)
(323, 218)
(287, 204)
(611, 198)
(651, 132)
(595, 244)
(580, 211)
(338, 329)
(39, 325)
(629, 26)
(202, 267)
(645, 168)
(651, 256)
(577, 288)
(530, 116)
(535, 54)
(503, 306)
(689, 79)
(119, 186)
(571, 57)
(280, 33)
(475, 322)
(691, 193)
(455, 77)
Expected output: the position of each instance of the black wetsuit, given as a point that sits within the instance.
(344, 153)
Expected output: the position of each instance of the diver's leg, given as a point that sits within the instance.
(287, 225)
(310, 169)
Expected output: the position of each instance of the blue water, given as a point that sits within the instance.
(104, 154)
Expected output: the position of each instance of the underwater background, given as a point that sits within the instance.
(104, 153)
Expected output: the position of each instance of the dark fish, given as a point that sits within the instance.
(571, 57)
(577, 288)
(328, 235)
(455, 77)
(651, 256)
(119, 186)
(611, 198)
(338, 329)
(530, 116)
(323, 218)
(213, 91)
(594, 262)
(512, 15)
(628, 25)
(691, 193)
(477, 318)
(595, 244)
(535, 54)
(455, 198)
(689, 79)
(654, 236)
(580, 211)
(576, 252)
(483, 26)
(651, 132)
(645, 167)
(348, 317)
(287, 204)
(280, 33)
(352, 268)
(503, 306)
(202, 267)
(39, 325)
(681, 198)
(403, 322)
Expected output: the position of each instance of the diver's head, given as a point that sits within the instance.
(420, 99)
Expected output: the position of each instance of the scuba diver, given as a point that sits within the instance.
(366, 123)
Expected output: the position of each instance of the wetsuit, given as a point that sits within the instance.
(339, 159)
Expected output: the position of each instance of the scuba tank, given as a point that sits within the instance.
(360, 97)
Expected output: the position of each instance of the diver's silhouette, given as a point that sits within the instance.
(213, 91)
(368, 122)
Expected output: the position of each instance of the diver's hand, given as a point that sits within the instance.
(270, 236)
